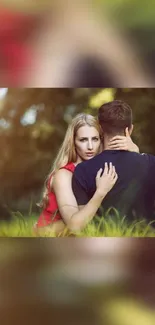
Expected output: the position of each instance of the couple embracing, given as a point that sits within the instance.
(98, 168)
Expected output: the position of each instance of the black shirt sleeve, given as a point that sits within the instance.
(79, 186)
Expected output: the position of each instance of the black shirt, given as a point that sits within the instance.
(134, 192)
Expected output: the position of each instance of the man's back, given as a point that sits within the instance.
(133, 193)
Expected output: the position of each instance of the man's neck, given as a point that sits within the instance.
(107, 141)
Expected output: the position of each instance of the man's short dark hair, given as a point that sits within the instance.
(114, 117)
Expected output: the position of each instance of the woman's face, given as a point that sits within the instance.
(87, 142)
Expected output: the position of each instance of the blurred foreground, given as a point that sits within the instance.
(88, 281)
(76, 44)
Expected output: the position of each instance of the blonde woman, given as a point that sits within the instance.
(82, 142)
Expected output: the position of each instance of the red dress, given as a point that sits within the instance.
(51, 214)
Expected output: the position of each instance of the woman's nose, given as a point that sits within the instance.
(90, 145)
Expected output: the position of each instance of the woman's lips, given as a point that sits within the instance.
(90, 153)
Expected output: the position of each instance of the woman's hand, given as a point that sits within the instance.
(123, 143)
(105, 182)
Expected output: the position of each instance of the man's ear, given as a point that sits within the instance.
(131, 129)
(128, 131)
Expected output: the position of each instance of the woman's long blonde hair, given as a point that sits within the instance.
(67, 152)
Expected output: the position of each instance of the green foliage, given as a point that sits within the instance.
(130, 13)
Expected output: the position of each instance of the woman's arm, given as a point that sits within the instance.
(74, 218)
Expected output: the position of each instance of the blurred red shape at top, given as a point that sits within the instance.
(15, 31)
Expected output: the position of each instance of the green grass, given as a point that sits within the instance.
(21, 226)
(111, 228)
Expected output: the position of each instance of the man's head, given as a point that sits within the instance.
(114, 117)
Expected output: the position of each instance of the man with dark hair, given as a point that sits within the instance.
(115, 117)
(134, 192)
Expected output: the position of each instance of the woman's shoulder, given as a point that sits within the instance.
(62, 176)
(64, 173)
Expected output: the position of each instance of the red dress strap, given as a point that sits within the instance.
(69, 166)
